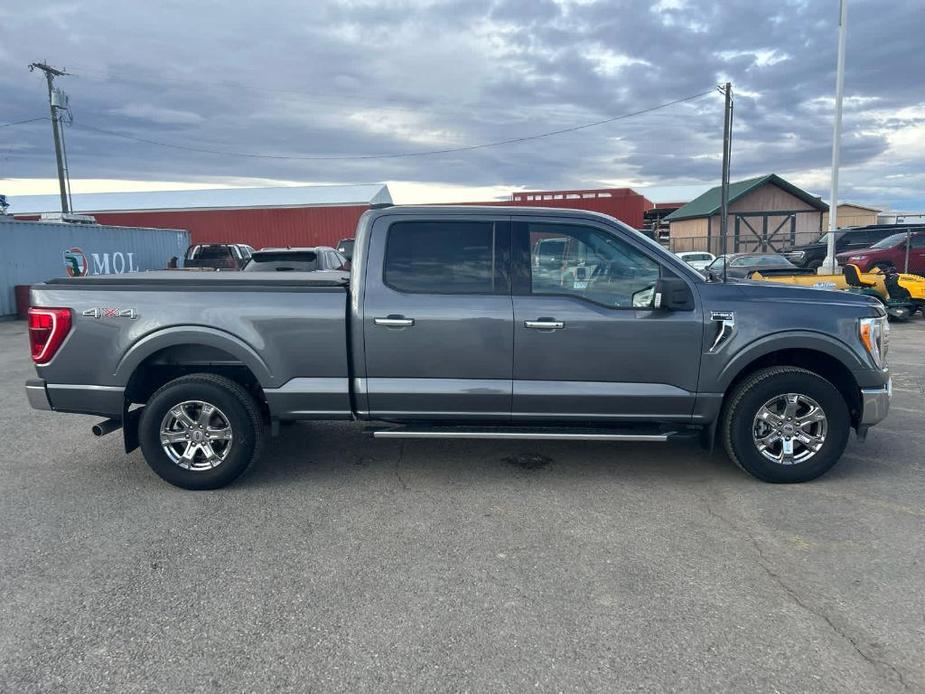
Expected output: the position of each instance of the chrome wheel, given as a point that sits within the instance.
(789, 429)
(196, 435)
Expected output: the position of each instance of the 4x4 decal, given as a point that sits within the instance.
(111, 312)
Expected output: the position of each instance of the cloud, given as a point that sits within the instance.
(362, 77)
(157, 114)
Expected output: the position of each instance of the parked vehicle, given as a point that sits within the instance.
(696, 259)
(345, 248)
(741, 265)
(890, 254)
(218, 256)
(315, 259)
(811, 255)
(444, 330)
(902, 295)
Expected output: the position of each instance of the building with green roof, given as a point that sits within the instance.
(766, 213)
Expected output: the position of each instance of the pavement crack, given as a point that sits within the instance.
(878, 664)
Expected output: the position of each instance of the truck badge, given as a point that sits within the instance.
(111, 312)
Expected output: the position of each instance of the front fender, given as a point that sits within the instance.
(194, 335)
(792, 339)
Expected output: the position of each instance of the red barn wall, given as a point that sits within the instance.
(277, 226)
(624, 204)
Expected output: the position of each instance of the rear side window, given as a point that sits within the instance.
(444, 257)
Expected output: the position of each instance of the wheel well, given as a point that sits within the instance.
(172, 362)
(825, 365)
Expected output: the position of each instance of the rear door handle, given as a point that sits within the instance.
(394, 322)
(544, 324)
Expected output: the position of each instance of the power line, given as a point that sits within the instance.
(397, 155)
(23, 122)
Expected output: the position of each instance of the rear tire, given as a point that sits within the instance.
(192, 446)
(756, 430)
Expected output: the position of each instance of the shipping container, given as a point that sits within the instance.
(32, 252)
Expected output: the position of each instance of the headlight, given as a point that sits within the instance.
(795, 254)
(875, 336)
(857, 257)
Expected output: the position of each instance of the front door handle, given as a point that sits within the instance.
(394, 322)
(544, 324)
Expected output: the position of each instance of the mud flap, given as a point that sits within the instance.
(130, 420)
(708, 435)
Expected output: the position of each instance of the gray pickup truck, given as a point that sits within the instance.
(465, 322)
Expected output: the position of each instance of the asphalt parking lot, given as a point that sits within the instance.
(344, 564)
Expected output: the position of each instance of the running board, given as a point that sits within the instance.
(651, 435)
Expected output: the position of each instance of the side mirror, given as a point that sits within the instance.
(673, 294)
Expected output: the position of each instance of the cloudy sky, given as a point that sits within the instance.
(328, 82)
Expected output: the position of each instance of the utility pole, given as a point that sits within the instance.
(830, 263)
(724, 186)
(50, 74)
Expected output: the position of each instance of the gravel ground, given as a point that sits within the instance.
(344, 564)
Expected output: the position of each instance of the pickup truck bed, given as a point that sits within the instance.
(288, 329)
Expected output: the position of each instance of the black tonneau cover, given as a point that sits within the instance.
(173, 280)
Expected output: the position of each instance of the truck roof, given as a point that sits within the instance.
(508, 210)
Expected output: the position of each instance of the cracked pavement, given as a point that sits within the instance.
(344, 564)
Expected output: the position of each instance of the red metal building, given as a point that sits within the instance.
(285, 216)
(624, 204)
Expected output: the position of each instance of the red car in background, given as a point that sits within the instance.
(890, 253)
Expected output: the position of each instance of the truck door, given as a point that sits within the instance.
(438, 318)
(587, 346)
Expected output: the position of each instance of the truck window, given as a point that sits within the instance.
(588, 263)
(443, 257)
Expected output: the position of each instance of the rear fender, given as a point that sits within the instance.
(189, 335)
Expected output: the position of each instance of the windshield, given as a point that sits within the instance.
(759, 260)
(211, 253)
(890, 241)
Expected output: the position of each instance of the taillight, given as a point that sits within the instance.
(47, 329)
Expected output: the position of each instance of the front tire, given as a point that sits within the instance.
(200, 431)
(785, 424)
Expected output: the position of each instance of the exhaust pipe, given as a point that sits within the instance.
(107, 426)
